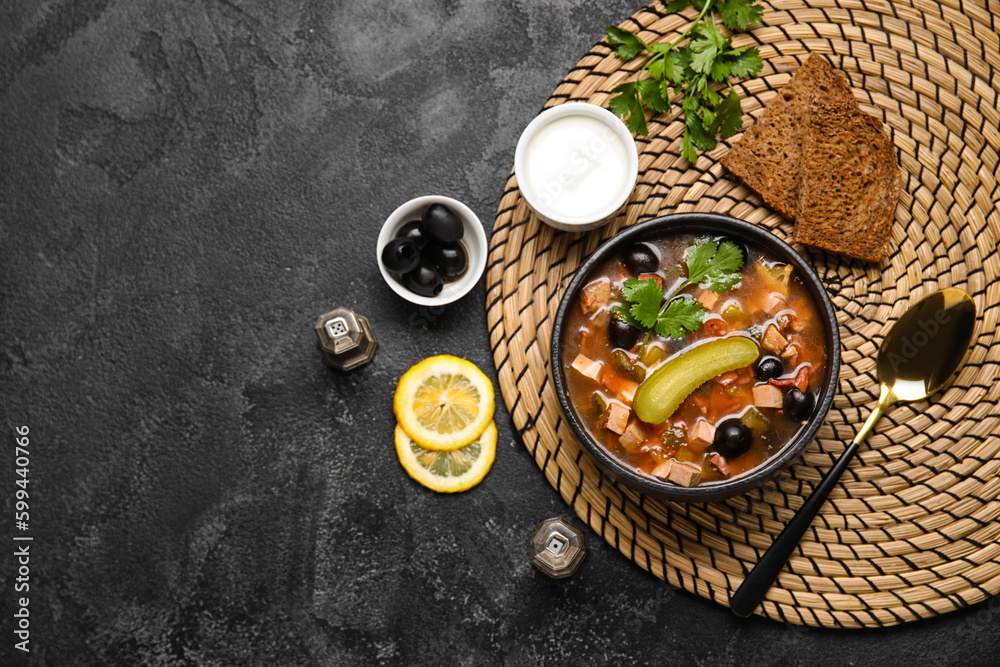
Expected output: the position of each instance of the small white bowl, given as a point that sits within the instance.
(473, 237)
(584, 167)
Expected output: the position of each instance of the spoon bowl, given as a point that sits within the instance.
(918, 356)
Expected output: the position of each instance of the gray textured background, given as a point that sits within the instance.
(184, 187)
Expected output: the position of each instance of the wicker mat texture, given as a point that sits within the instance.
(913, 530)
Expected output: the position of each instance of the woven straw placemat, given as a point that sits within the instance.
(913, 529)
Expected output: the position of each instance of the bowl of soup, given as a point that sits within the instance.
(695, 355)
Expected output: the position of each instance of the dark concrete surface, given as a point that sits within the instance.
(184, 187)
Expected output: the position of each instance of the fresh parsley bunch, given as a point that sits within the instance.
(715, 266)
(688, 71)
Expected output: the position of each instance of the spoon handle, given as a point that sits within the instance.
(755, 586)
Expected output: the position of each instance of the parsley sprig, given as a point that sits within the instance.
(714, 266)
(688, 71)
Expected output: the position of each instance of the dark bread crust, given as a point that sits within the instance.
(768, 156)
(850, 182)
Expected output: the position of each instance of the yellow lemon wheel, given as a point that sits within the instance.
(452, 471)
(444, 403)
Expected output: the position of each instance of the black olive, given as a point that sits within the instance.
(640, 258)
(732, 438)
(441, 223)
(413, 230)
(768, 366)
(799, 405)
(741, 244)
(622, 334)
(400, 255)
(424, 280)
(450, 258)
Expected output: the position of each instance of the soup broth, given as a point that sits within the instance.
(702, 441)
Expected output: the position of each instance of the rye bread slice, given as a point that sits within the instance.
(767, 158)
(850, 182)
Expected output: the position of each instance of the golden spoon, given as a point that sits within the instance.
(918, 356)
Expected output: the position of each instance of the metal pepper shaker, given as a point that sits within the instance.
(345, 338)
(557, 548)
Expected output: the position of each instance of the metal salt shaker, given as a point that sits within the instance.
(345, 338)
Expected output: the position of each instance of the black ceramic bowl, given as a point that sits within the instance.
(713, 224)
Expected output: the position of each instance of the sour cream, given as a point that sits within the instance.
(576, 165)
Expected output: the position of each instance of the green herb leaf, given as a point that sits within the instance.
(694, 126)
(621, 312)
(628, 45)
(681, 317)
(687, 148)
(716, 266)
(690, 71)
(626, 105)
(729, 116)
(652, 95)
(704, 53)
(740, 14)
(646, 297)
(743, 62)
(675, 66)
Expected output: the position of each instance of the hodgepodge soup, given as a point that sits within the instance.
(730, 423)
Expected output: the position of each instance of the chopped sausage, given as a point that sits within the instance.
(800, 381)
(615, 418)
(701, 435)
(626, 390)
(791, 354)
(595, 295)
(727, 379)
(708, 299)
(587, 367)
(715, 326)
(654, 276)
(773, 340)
(663, 469)
(684, 474)
(721, 464)
(766, 396)
(634, 436)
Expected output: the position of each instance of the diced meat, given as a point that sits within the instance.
(708, 299)
(791, 354)
(626, 390)
(773, 340)
(766, 396)
(587, 367)
(773, 302)
(721, 464)
(623, 388)
(662, 470)
(654, 276)
(595, 295)
(634, 436)
(684, 474)
(800, 381)
(701, 435)
(715, 326)
(615, 418)
(727, 379)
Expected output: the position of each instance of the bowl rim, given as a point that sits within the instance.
(716, 224)
(477, 255)
(615, 124)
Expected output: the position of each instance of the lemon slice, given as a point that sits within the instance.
(448, 472)
(444, 403)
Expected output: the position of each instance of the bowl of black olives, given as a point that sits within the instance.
(432, 250)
